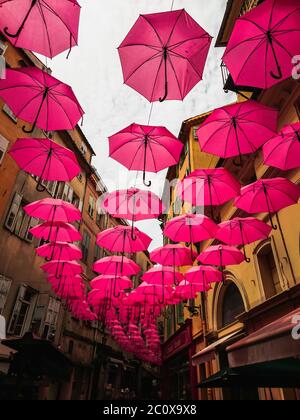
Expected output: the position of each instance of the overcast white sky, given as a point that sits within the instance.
(94, 72)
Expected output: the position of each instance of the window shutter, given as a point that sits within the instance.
(3, 147)
(13, 212)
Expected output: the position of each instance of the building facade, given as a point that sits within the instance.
(237, 325)
(84, 361)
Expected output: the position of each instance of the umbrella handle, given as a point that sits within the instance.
(40, 188)
(116, 295)
(279, 74)
(48, 259)
(45, 95)
(133, 236)
(31, 130)
(166, 76)
(238, 163)
(17, 34)
(147, 184)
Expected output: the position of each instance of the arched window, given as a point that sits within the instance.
(268, 271)
(232, 305)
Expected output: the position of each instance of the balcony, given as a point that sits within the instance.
(230, 86)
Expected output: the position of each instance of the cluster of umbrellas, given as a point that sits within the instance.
(163, 58)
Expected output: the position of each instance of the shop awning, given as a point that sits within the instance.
(209, 353)
(278, 374)
(273, 342)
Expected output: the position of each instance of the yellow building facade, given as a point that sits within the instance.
(257, 295)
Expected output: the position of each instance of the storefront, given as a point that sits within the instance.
(178, 372)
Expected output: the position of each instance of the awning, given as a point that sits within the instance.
(209, 353)
(278, 374)
(273, 342)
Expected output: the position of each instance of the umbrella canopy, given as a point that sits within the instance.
(46, 159)
(38, 98)
(56, 232)
(36, 24)
(114, 284)
(263, 43)
(53, 210)
(283, 151)
(116, 265)
(59, 251)
(161, 276)
(268, 196)
(133, 204)
(242, 231)
(62, 268)
(119, 239)
(172, 255)
(238, 129)
(145, 148)
(203, 274)
(191, 228)
(221, 256)
(164, 55)
(208, 187)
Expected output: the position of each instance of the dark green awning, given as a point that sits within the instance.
(277, 374)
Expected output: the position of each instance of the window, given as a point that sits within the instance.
(83, 149)
(91, 208)
(180, 313)
(85, 246)
(232, 305)
(76, 201)
(185, 153)
(68, 193)
(51, 319)
(5, 284)
(17, 221)
(3, 148)
(9, 113)
(268, 271)
(98, 252)
(195, 135)
(23, 311)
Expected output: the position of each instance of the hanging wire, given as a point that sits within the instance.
(172, 5)
(150, 113)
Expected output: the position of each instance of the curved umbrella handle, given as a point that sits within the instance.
(31, 130)
(17, 34)
(238, 163)
(277, 76)
(133, 236)
(40, 188)
(147, 184)
(116, 295)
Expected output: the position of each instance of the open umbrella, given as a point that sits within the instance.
(145, 148)
(59, 251)
(113, 265)
(62, 268)
(191, 228)
(56, 232)
(237, 129)
(46, 159)
(46, 27)
(162, 276)
(164, 55)
(114, 284)
(268, 196)
(203, 274)
(221, 256)
(38, 98)
(119, 239)
(53, 210)
(173, 256)
(263, 44)
(133, 204)
(243, 231)
(208, 187)
(283, 150)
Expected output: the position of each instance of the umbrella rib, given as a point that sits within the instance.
(285, 18)
(251, 54)
(137, 151)
(188, 60)
(152, 47)
(29, 102)
(156, 77)
(154, 29)
(46, 27)
(155, 56)
(47, 6)
(154, 161)
(163, 146)
(173, 29)
(63, 109)
(179, 44)
(175, 74)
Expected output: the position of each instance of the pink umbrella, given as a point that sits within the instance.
(62, 268)
(190, 228)
(133, 204)
(162, 276)
(240, 231)
(263, 43)
(114, 284)
(56, 232)
(113, 265)
(268, 196)
(186, 290)
(37, 97)
(35, 24)
(209, 187)
(283, 151)
(173, 256)
(221, 256)
(203, 274)
(238, 129)
(145, 148)
(152, 294)
(53, 210)
(59, 251)
(46, 159)
(164, 55)
(119, 239)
